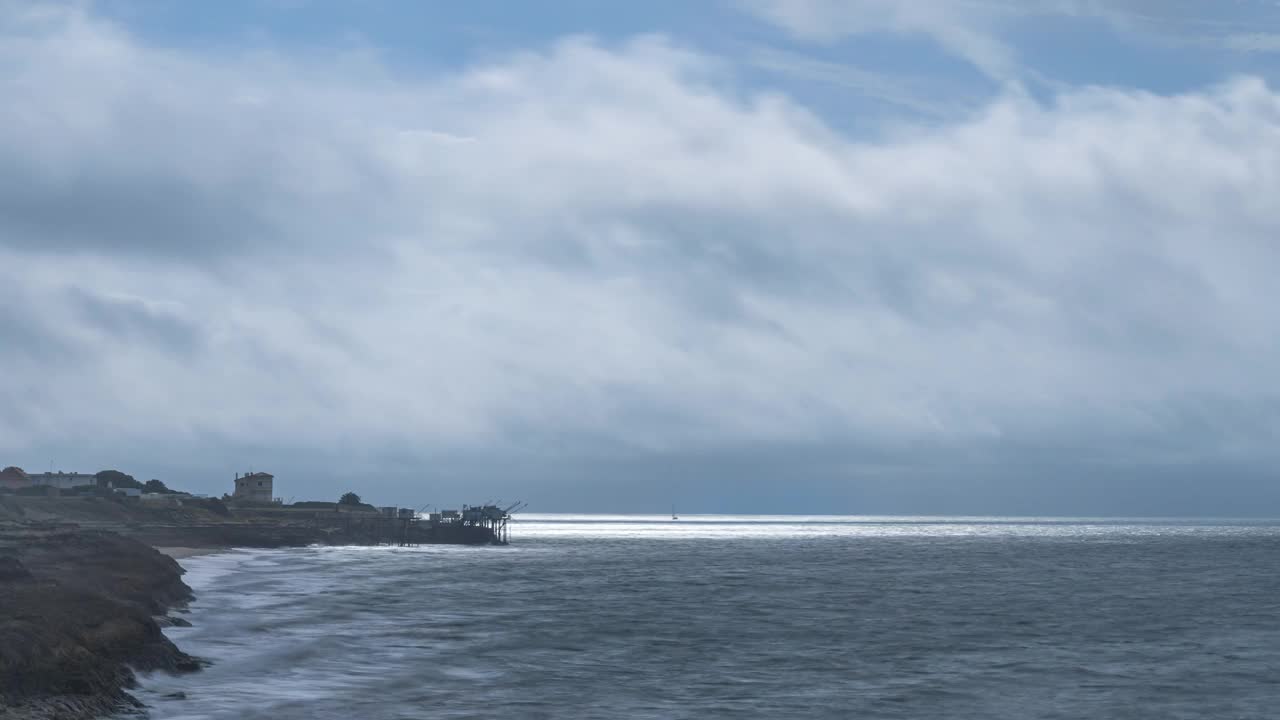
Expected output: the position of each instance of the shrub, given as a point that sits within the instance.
(155, 486)
(213, 505)
(117, 479)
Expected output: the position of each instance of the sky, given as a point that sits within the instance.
(811, 256)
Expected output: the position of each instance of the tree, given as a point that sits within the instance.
(349, 499)
(116, 479)
(155, 486)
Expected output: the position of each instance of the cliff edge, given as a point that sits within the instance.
(77, 616)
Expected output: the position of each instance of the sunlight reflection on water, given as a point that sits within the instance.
(745, 616)
(659, 527)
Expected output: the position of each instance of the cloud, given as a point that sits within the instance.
(592, 249)
(986, 33)
(962, 27)
(930, 99)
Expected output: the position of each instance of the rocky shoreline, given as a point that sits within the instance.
(84, 593)
(80, 611)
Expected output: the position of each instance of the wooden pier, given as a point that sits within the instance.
(473, 525)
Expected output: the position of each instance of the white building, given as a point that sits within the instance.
(163, 499)
(61, 480)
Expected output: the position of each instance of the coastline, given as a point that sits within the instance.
(87, 584)
(182, 553)
(80, 612)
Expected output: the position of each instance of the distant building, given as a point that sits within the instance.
(254, 487)
(63, 480)
(128, 492)
(13, 478)
(161, 499)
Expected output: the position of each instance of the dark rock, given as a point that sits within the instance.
(77, 616)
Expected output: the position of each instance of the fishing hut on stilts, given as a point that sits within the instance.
(473, 525)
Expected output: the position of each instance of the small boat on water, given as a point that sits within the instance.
(673, 512)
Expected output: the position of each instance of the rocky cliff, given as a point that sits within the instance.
(78, 614)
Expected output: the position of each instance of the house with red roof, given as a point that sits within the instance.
(14, 478)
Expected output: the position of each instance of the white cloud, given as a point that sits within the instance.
(963, 27)
(618, 245)
(984, 33)
(921, 96)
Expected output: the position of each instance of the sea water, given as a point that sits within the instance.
(746, 617)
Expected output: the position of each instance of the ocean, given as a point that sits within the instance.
(746, 617)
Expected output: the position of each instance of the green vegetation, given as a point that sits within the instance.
(333, 506)
(116, 479)
(32, 491)
(349, 498)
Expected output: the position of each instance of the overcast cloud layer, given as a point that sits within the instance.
(600, 274)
